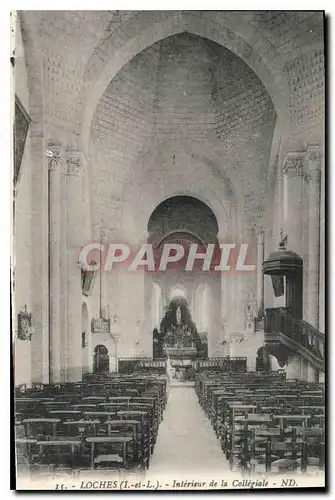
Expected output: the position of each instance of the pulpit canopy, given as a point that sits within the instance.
(282, 262)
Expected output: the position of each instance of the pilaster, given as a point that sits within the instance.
(55, 160)
(75, 166)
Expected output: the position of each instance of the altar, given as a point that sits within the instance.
(178, 339)
(178, 343)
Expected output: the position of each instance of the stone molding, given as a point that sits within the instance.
(294, 164)
(304, 164)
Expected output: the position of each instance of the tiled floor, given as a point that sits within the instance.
(186, 441)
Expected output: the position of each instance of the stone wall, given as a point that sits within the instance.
(201, 122)
(22, 229)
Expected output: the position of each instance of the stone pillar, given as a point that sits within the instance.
(322, 283)
(293, 165)
(260, 276)
(314, 251)
(104, 303)
(313, 234)
(39, 276)
(293, 367)
(75, 164)
(234, 320)
(214, 327)
(228, 281)
(296, 210)
(113, 354)
(248, 280)
(268, 290)
(312, 374)
(55, 164)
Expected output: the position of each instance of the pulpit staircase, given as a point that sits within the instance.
(284, 335)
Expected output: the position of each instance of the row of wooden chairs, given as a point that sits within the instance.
(265, 422)
(107, 421)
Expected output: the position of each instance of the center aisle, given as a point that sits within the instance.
(186, 441)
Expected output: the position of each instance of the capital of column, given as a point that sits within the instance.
(314, 152)
(75, 163)
(314, 161)
(259, 231)
(294, 164)
(54, 154)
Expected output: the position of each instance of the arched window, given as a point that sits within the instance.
(202, 307)
(156, 306)
(178, 291)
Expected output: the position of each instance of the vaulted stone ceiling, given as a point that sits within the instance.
(226, 113)
(184, 88)
(85, 36)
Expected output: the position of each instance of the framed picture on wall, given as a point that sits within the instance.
(24, 324)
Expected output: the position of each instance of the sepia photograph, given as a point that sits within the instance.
(168, 287)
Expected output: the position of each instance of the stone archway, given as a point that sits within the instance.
(101, 359)
(217, 186)
(263, 362)
(187, 220)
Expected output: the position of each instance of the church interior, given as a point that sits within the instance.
(169, 127)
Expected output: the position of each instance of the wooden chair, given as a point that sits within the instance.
(24, 453)
(63, 452)
(37, 427)
(109, 452)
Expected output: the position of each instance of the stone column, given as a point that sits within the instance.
(214, 327)
(39, 273)
(55, 157)
(260, 276)
(234, 321)
(312, 374)
(228, 280)
(293, 367)
(75, 164)
(63, 272)
(296, 210)
(248, 281)
(104, 303)
(322, 284)
(293, 166)
(313, 287)
(268, 290)
(313, 176)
